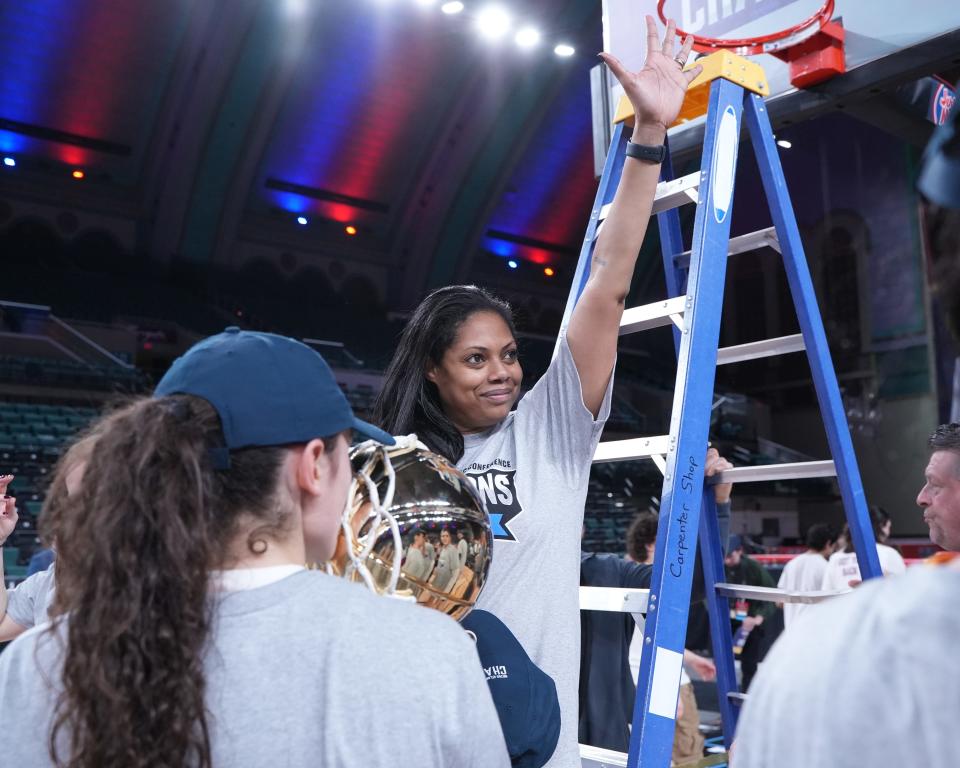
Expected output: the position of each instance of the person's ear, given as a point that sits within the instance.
(430, 373)
(314, 467)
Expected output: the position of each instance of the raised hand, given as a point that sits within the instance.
(657, 90)
(8, 509)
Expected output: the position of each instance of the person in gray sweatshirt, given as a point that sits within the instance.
(185, 628)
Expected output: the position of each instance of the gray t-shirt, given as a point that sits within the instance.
(29, 601)
(532, 471)
(865, 679)
(307, 671)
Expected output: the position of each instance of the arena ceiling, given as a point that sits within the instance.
(209, 124)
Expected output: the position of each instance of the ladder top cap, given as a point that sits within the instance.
(722, 65)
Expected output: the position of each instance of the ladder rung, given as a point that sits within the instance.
(775, 595)
(754, 350)
(651, 315)
(635, 448)
(614, 599)
(799, 470)
(670, 194)
(736, 696)
(596, 757)
(762, 238)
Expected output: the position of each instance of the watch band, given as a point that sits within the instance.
(647, 153)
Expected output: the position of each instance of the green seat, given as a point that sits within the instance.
(10, 555)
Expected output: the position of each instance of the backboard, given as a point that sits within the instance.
(882, 38)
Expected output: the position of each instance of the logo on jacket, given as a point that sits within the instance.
(498, 672)
(495, 484)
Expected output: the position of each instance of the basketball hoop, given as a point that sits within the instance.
(751, 46)
(813, 47)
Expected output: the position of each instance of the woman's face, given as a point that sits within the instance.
(479, 376)
(445, 536)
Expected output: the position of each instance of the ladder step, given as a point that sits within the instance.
(614, 599)
(762, 238)
(754, 350)
(670, 194)
(799, 470)
(654, 315)
(774, 595)
(635, 448)
(596, 757)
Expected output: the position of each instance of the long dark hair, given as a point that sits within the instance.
(409, 402)
(151, 519)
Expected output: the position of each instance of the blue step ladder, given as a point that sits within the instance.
(695, 283)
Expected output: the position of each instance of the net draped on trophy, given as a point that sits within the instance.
(442, 529)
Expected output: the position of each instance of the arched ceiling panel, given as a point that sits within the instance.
(81, 80)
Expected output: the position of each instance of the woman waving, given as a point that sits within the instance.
(456, 376)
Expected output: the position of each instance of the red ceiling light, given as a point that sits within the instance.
(78, 174)
(548, 271)
(350, 229)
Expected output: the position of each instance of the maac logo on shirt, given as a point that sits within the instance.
(495, 483)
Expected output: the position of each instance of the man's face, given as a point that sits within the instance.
(940, 499)
(733, 558)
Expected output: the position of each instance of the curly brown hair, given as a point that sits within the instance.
(152, 517)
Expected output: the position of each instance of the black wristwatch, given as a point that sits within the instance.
(647, 153)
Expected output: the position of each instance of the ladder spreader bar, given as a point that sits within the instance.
(775, 595)
(762, 238)
(648, 316)
(616, 599)
(754, 350)
(799, 470)
(635, 448)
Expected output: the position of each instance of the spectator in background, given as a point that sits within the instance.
(416, 566)
(805, 572)
(940, 496)
(28, 604)
(607, 685)
(448, 564)
(843, 571)
(742, 569)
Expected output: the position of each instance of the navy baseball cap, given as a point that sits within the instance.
(940, 169)
(525, 696)
(268, 390)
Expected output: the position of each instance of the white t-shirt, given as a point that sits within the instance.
(532, 471)
(802, 574)
(843, 568)
(29, 602)
(867, 679)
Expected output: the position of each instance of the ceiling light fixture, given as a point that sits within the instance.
(548, 271)
(78, 174)
(302, 221)
(564, 50)
(350, 229)
(9, 162)
(451, 8)
(493, 22)
(512, 264)
(784, 143)
(528, 37)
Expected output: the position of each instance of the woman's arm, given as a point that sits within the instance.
(657, 93)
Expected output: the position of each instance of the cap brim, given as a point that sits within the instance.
(374, 433)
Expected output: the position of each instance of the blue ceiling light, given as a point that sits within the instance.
(302, 221)
(512, 264)
(9, 162)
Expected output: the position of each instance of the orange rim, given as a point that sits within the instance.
(751, 46)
